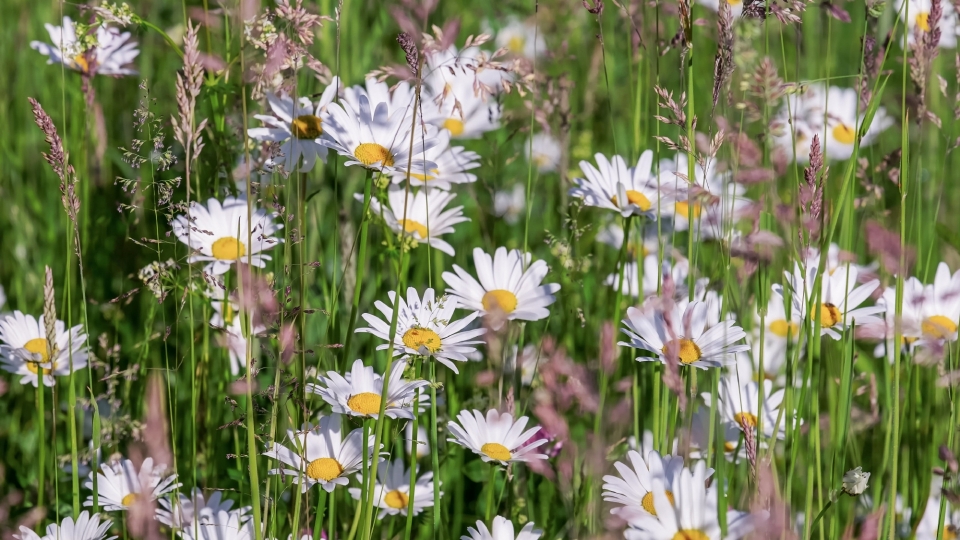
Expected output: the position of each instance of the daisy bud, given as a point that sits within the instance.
(855, 481)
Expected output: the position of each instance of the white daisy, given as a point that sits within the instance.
(373, 137)
(509, 284)
(689, 514)
(941, 305)
(398, 99)
(736, 6)
(700, 437)
(23, 349)
(427, 215)
(423, 442)
(321, 454)
(632, 491)
(838, 298)
(780, 331)
(425, 328)
(112, 53)
(452, 163)
(502, 529)
(220, 233)
(661, 327)
(714, 200)
(910, 322)
(297, 126)
(463, 86)
(222, 525)
(544, 151)
(185, 512)
(359, 393)
(652, 278)
(120, 484)
(793, 127)
(391, 492)
(843, 120)
(226, 316)
(510, 203)
(929, 526)
(497, 437)
(614, 186)
(918, 21)
(521, 39)
(86, 527)
(739, 402)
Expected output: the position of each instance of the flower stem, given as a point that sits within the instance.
(411, 492)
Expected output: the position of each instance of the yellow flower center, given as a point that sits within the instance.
(227, 312)
(844, 134)
(228, 248)
(396, 499)
(128, 499)
(422, 337)
(425, 177)
(729, 447)
(516, 44)
(690, 534)
(499, 299)
(745, 419)
(734, 2)
(683, 209)
(938, 327)
(411, 226)
(950, 532)
(496, 451)
(635, 197)
(34, 367)
(306, 126)
(370, 153)
(686, 350)
(365, 403)
(647, 501)
(38, 346)
(81, 61)
(324, 469)
(783, 328)
(829, 315)
(454, 126)
(923, 21)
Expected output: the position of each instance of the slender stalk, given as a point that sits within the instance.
(411, 493)
(435, 451)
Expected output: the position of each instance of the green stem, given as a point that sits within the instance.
(411, 492)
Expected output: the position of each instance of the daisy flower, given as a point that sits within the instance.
(793, 127)
(521, 39)
(111, 54)
(120, 484)
(838, 298)
(502, 529)
(779, 331)
(457, 106)
(690, 513)
(544, 151)
(909, 322)
(497, 437)
(941, 305)
(185, 512)
(86, 527)
(700, 437)
(373, 137)
(391, 493)
(652, 278)
(427, 215)
(509, 284)
(359, 393)
(917, 14)
(929, 525)
(614, 186)
(452, 164)
(510, 204)
(400, 98)
(24, 349)
(714, 200)
(425, 328)
(736, 6)
(667, 331)
(844, 120)
(297, 127)
(222, 525)
(226, 316)
(464, 72)
(321, 455)
(633, 489)
(739, 402)
(220, 233)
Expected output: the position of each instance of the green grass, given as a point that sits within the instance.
(852, 409)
